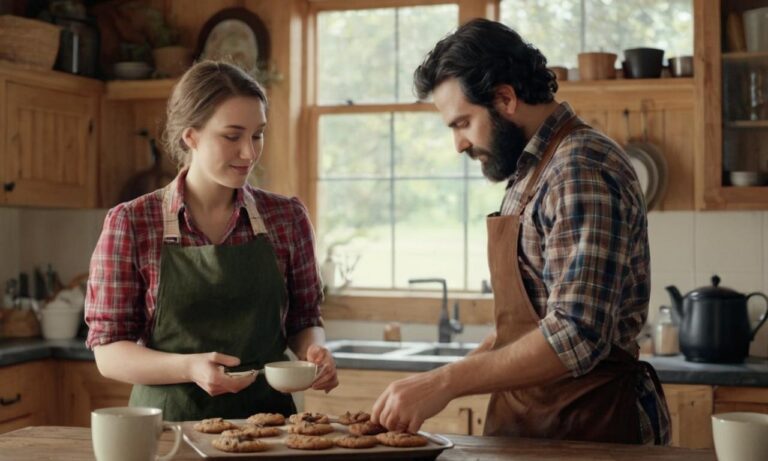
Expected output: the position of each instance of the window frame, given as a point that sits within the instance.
(312, 111)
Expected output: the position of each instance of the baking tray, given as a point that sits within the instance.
(201, 443)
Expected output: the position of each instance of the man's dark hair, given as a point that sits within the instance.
(481, 55)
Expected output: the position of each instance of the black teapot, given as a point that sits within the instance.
(714, 323)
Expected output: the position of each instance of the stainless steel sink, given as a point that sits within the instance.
(365, 349)
(442, 351)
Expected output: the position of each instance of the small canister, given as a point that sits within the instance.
(665, 336)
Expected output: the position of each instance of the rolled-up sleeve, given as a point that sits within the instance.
(586, 253)
(114, 306)
(305, 291)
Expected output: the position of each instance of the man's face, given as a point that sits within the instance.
(481, 133)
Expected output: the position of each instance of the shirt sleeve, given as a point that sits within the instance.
(305, 291)
(586, 256)
(114, 304)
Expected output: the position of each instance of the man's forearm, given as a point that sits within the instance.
(528, 361)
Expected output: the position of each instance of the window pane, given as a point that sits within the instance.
(354, 145)
(664, 24)
(429, 235)
(354, 219)
(356, 56)
(484, 198)
(552, 27)
(368, 56)
(424, 146)
(419, 29)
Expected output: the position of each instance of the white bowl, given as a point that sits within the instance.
(748, 178)
(60, 323)
(132, 70)
(740, 436)
(291, 376)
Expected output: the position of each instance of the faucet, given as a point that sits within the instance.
(446, 327)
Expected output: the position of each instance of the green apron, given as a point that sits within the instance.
(218, 298)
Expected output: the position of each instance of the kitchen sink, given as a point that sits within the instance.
(443, 351)
(365, 349)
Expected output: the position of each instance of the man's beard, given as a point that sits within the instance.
(507, 144)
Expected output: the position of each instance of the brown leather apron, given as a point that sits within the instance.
(599, 406)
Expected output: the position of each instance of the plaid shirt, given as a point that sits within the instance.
(125, 266)
(584, 255)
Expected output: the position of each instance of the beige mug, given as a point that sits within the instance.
(130, 434)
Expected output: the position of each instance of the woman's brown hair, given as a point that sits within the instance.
(195, 98)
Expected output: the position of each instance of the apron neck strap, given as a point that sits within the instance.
(171, 231)
(549, 152)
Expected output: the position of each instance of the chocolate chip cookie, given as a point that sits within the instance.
(307, 428)
(267, 419)
(214, 426)
(357, 441)
(253, 430)
(353, 418)
(401, 439)
(308, 442)
(239, 444)
(366, 428)
(309, 417)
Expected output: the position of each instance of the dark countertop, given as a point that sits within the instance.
(13, 350)
(674, 369)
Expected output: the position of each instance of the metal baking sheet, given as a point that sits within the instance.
(201, 443)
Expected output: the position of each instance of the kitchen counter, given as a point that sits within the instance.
(674, 369)
(74, 444)
(13, 350)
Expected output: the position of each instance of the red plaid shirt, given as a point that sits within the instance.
(125, 266)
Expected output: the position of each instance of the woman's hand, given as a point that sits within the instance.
(326, 379)
(207, 371)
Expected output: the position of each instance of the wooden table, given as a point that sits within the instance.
(74, 444)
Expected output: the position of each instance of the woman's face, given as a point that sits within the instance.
(228, 146)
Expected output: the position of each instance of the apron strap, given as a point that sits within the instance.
(171, 231)
(530, 190)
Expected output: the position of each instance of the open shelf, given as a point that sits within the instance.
(121, 90)
(739, 124)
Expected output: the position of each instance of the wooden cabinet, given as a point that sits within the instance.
(690, 411)
(725, 136)
(729, 399)
(48, 138)
(359, 389)
(27, 395)
(82, 389)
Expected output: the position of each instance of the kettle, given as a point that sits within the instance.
(714, 323)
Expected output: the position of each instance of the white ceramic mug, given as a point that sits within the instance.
(740, 436)
(130, 434)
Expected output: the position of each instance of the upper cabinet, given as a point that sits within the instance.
(731, 106)
(48, 138)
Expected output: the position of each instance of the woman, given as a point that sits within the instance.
(208, 274)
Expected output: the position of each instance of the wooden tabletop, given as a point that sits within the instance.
(74, 444)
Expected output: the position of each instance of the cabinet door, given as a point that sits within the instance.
(754, 399)
(49, 157)
(83, 390)
(26, 395)
(359, 389)
(690, 409)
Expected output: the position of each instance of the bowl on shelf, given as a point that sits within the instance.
(681, 66)
(597, 66)
(643, 62)
(132, 70)
(748, 178)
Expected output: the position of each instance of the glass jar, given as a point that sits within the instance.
(665, 336)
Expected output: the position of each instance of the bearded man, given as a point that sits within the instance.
(568, 256)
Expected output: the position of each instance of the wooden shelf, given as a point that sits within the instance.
(126, 90)
(745, 55)
(740, 124)
(627, 84)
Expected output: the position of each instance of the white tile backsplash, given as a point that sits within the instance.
(671, 239)
(729, 241)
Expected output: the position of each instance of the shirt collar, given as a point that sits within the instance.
(177, 189)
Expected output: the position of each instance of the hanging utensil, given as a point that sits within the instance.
(648, 161)
(148, 180)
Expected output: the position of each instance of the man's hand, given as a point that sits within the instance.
(326, 379)
(407, 403)
(207, 371)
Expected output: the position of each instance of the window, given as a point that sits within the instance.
(393, 199)
(564, 28)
